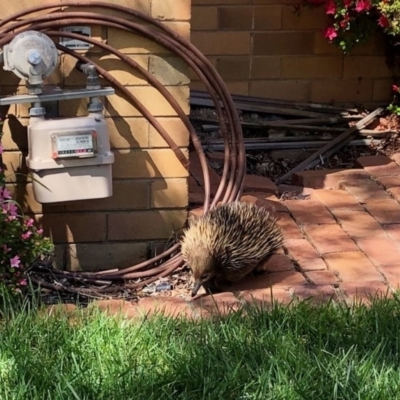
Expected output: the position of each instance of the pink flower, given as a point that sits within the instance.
(363, 5)
(5, 193)
(330, 33)
(395, 88)
(347, 3)
(26, 235)
(5, 248)
(330, 7)
(39, 231)
(30, 222)
(22, 282)
(15, 261)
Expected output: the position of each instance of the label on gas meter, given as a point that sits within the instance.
(79, 144)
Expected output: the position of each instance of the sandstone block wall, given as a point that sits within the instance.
(150, 185)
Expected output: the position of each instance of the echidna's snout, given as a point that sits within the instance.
(196, 287)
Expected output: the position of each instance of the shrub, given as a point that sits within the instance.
(21, 243)
(353, 21)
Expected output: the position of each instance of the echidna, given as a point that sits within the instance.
(228, 243)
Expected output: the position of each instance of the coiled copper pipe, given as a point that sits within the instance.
(231, 184)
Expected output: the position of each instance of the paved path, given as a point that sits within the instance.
(342, 239)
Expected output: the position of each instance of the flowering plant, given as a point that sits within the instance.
(21, 243)
(352, 21)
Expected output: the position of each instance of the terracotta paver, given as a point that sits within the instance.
(352, 266)
(333, 199)
(358, 224)
(322, 277)
(364, 190)
(381, 251)
(329, 238)
(289, 228)
(384, 211)
(389, 181)
(379, 166)
(341, 243)
(305, 254)
(309, 212)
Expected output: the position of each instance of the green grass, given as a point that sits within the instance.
(300, 352)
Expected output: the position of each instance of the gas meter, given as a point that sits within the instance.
(69, 158)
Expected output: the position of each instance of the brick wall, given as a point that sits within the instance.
(150, 185)
(263, 48)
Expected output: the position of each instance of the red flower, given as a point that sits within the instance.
(330, 7)
(395, 88)
(347, 3)
(383, 21)
(363, 5)
(330, 33)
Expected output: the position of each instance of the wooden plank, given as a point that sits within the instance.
(335, 144)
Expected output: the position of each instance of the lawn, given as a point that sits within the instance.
(297, 352)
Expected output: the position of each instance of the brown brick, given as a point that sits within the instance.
(170, 10)
(169, 193)
(296, 190)
(382, 90)
(120, 70)
(364, 291)
(222, 43)
(322, 277)
(327, 179)
(296, 90)
(392, 275)
(290, 43)
(395, 193)
(365, 190)
(217, 304)
(316, 294)
(175, 128)
(323, 46)
(352, 266)
(288, 226)
(267, 17)
(258, 183)
(145, 225)
(232, 68)
(329, 238)
(379, 166)
(304, 20)
(169, 70)
(384, 211)
(389, 181)
(128, 133)
(307, 212)
(381, 251)
(355, 67)
(15, 135)
(235, 18)
(265, 67)
(127, 195)
(241, 88)
(204, 18)
(334, 199)
(97, 257)
(156, 104)
(13, 163)
(393, 231)
(171, 307)
(358, 224)
(268, 295)
(271, 203)
(74, 228)
(278, 263)
(341, 90)
(139, 5)
(311, 67)
(304, 254)
(160, 163)
(23, 195)
(396, 158)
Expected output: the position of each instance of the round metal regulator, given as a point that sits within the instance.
(31, 54)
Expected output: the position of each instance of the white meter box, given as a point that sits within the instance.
(70, 159)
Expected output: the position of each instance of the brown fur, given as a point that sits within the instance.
(229, 242)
